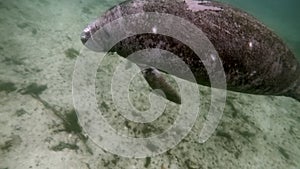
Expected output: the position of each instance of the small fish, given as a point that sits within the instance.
(255, 59)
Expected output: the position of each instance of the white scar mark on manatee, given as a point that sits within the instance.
(196, 6)
(88, 30)
(91, 35)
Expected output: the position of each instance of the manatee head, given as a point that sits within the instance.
(88, 32)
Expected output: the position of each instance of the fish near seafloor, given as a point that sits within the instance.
(255, 60)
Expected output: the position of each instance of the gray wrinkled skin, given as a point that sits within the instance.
(255, 60)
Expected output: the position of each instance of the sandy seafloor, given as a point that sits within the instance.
(38, 49)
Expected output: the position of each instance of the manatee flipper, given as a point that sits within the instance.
(157, 81)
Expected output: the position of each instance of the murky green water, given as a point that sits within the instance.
(39, 44)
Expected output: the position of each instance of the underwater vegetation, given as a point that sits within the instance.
(71, 53)
(69, 118)
(147, 162)
(62, 145)
(23, 25)
(283, 152)
(70, 125)
(224, 134)
(20, 112)
(34, 89)
(14, 140)
(31, 89)
(13, 60)
(7, 87)
(28, 25)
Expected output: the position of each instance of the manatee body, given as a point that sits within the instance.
(254, 58)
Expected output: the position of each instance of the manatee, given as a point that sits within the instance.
(254, 58)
